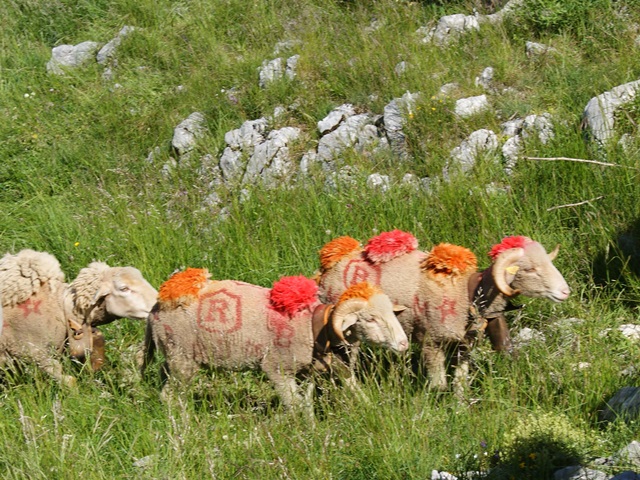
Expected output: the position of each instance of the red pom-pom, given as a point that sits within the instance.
(507, 243)
(289, 295)
(389, 245)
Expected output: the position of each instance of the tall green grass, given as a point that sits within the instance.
(74, 181)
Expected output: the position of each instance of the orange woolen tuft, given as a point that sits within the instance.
(389, 245)
(509, 243)
(184, 285)
(363, 290)
(448, 259)
(289, 295)
(336, 250)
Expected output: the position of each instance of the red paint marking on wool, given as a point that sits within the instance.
(419, 307)
(389, 245)
(30, 306)
(358, 271)
(508, 243)
(289, 295)
(447, 309)
(280, 324)
(220, 312)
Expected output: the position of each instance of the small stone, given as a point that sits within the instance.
(467, 107)
(631, 331)
(188, 132)
(534, 49)
(70, 56)
(378, 182)
(485, 80)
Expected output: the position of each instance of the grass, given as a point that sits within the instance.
(74, 181)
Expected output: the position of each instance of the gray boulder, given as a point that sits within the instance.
(270, 160)
(485, 80)
(625, 404)
(108, 52)
(579, 473)
(347, 135)
(187, 133)
(467, 107)
(534, 50)
(598, 115)
(335, 117)
(276, 69)
(478, 143)
(71, 56)
(449, 28)
(394, 121)
(375, 181)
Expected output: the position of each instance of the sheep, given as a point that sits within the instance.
(230, 324)
(43, 314)
(448, 303)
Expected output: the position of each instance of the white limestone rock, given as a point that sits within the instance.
(467, 107)
(71, 56)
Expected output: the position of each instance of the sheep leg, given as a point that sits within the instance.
(285, 384)
(46, 363)
(179, 369)
(498, 332)
(434, 360)
(461, 375)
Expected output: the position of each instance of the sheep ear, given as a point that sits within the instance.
(510, 273)
(554, 253)
(349, 321)
(398, 309)
(102, 292)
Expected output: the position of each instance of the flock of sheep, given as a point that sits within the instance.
(384, 293)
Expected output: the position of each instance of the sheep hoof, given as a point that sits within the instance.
(69, 381)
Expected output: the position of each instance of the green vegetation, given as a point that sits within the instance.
(74, 181)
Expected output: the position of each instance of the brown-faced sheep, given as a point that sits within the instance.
(231, 324)
(42, 314)
(448, 302)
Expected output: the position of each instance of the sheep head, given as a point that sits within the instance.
(372, 317)
(522, 266)
(119, 291)
(126, 293)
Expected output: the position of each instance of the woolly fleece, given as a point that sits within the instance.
(23, 274)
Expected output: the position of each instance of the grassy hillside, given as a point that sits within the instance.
(75, 181)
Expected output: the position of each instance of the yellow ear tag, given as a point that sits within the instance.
(513, 269)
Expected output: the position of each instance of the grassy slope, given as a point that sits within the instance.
(73, 171)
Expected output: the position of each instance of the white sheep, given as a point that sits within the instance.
(231, 324)
(42, 314)
(448, 302)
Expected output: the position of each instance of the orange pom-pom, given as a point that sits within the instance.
(336, 250)
(448, 259)
(183, 287)
(363, 290)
